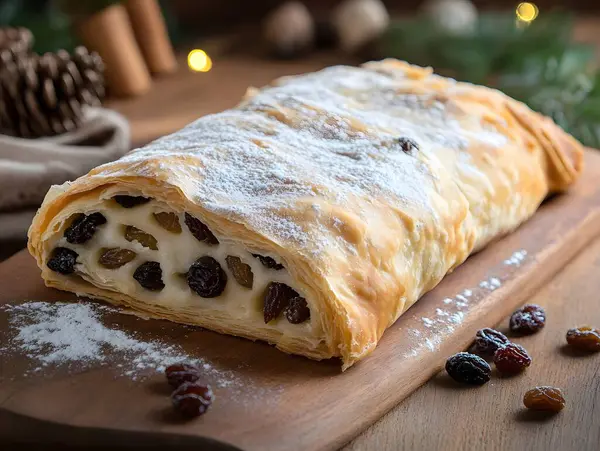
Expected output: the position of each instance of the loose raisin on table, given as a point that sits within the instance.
(115, 257)
(528, 319)
(200, 231)
(62, 260)
(242, 272)
(131, 201)
(83, 228)
(585, 338)
(149, 276)
(297, 310)
(145, 239)
(268, 262)
(277, 298)
(192, 399)
(487, 341)
(168, 221)
(179, 373)
(511, 359)
(548, 399)
(206, 277)
(468, 369)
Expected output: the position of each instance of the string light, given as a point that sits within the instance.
(199, 61)
(527, 12)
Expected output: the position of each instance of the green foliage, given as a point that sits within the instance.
(537, 64)
(50, 26)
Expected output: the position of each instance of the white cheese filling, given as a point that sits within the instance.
(176, 253)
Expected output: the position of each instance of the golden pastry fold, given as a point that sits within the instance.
(313, 214)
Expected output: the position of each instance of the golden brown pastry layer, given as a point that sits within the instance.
(367, 185)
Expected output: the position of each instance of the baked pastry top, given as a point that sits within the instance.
(314, 213)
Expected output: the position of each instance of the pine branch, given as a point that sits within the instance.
(538, 65)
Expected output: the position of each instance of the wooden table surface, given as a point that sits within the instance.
(443, 415)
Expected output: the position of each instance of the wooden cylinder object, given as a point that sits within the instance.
(152, 36)
(109, 33)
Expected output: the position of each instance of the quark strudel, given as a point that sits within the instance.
(313, 214)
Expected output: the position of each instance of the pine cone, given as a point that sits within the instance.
(44, 95)
(18, 40)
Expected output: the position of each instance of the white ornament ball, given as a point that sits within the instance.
(358, 22)
(452, 16)
(289, 30)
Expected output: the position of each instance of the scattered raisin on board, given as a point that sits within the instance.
(585, 338)
(544, 398)
(297, 310)
(131, 201)
(527, 320)
(511, 359)
(241, 271)
(487, 341)
(200, 231)
(206, 277)
(277, 298)
(468, 369)
(62, 260)
(268, 262)
(192, 399)
(149, 276)
(83, 228)
(179, 373)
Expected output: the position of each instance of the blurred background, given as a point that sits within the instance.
(82, 82)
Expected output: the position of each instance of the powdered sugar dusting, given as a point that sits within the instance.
(428, 322)
(491, 284)
(73, 333)
(516, 258)
(330, 135)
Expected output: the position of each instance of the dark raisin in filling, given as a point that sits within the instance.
(199, 230)
(268, 262)
(277, 298)
(115, 257)
(297, 310)
(83, 228)
(206, 277)
(149, 276)
(131, 201)
(242, 272)
(168, 221)
(62, 260)
(145, 239)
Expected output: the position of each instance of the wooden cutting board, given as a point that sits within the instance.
(277, 401)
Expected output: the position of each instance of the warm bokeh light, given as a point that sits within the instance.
(527, 12)
(199, 61)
